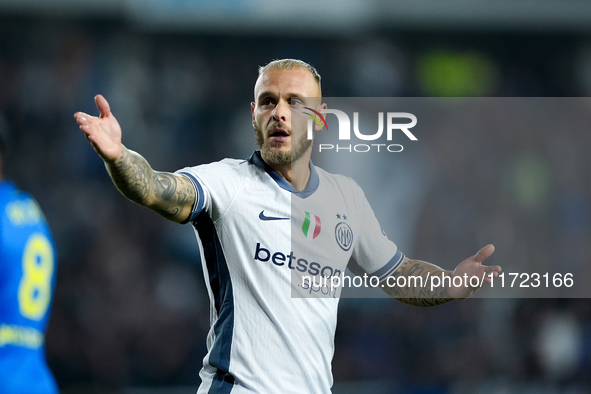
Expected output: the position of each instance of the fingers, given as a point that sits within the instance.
(82, 120)
(85, 120)
(491, 273)
(102, 105)
(82, 117)
(492, 268)
(484, 253)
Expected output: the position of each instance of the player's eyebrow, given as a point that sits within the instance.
(265, 94)
(269, 94)
(301, 96)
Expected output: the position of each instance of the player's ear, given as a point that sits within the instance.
(252, 106)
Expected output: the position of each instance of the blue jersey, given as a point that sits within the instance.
(27, 279)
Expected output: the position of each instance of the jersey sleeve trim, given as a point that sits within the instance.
(390, 266)
(199, 197)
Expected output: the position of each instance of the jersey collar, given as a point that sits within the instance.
(313, 183)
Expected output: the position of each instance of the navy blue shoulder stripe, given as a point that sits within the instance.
(199, 199)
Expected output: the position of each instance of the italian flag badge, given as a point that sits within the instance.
(312, 226)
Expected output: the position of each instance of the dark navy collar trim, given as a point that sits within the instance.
(313, 183)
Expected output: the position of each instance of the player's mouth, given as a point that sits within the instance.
(279, 134)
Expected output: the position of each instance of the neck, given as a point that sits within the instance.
(297, 174)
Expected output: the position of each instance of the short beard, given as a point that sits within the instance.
(281, 158)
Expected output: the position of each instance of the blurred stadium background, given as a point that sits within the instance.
(131, 314)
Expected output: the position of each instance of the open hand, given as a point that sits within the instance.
(103, 132)
(472, 267)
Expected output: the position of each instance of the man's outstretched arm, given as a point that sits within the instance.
(170, 195)
(428, 295)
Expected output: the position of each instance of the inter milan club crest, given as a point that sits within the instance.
(343, 234)
(312, 226)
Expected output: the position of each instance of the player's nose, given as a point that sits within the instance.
(281, 111)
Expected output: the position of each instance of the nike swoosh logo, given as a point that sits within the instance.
(263, 217)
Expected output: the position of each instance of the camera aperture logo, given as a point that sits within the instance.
(315, 115)
(345, 130)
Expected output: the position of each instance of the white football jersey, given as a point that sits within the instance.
(258, 237)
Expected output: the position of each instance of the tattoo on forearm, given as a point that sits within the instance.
(163, 192)
(174, 191)
(419, 295)
(131, 176)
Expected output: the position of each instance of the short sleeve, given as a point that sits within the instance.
(215, 186)
(374, 252)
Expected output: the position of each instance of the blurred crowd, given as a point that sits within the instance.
(130, 307)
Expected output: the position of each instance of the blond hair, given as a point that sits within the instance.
(290, 64)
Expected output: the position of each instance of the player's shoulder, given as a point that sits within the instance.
(217, 168)
(227, 175)
(10, 192)
(18, 206)
(340, 180)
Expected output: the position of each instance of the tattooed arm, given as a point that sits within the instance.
(419, 280)
(170, 195)
(414, 293)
